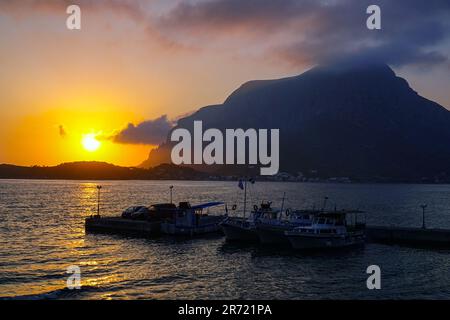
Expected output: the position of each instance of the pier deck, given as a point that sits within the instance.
(403, 235)
(123, 226)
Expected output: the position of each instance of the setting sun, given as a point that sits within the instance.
(90, 143)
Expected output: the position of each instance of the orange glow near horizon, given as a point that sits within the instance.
(57, 85)
(62, 136)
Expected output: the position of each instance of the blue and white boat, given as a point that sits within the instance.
(190, 220)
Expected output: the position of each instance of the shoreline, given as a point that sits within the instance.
(234, 179)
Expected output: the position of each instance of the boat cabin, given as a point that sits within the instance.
(337, 222)
(265, 211)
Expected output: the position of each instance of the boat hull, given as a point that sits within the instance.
(205, 225)
(171, 229)
(272, 235)
(239, 233)
(305, 241)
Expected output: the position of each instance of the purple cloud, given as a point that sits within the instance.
(314, 31)
(300, 32)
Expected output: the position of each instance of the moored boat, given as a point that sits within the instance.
(244, 229)
(239, 229)
(329, 230)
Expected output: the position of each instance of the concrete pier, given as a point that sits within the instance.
(413, 236)
(122, 226)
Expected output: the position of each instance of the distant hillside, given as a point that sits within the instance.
(99, 171)
(357, 121)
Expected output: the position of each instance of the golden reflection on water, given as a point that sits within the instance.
(88, 198)
(12, 290)
(48, 287)
(89, 263)
(101, 281)
(76, 244)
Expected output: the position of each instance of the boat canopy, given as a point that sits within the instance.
(206, 205)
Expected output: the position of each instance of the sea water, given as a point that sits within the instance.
(42, 234)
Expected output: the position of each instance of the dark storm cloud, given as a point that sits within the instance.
(151, 132)
(229, 14)
(298, 31)
(412, 30)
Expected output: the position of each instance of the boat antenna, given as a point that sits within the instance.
(423, 206)
(99, 187)
(245, 196)
(171, 188)
(324, 203)
(282, 203)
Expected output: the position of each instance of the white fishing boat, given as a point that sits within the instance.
(190, 220)
(271, 227)
(329, 230)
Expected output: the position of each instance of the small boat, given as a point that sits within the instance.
(239, 229)
(329, 230)
(190, 220)
(244, 228)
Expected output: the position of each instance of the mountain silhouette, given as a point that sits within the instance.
(353, 120)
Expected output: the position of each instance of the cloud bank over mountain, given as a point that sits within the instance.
(151, 132)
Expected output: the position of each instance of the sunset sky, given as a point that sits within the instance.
(134, 62)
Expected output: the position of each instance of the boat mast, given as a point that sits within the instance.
(282, 204)
(324, 203)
